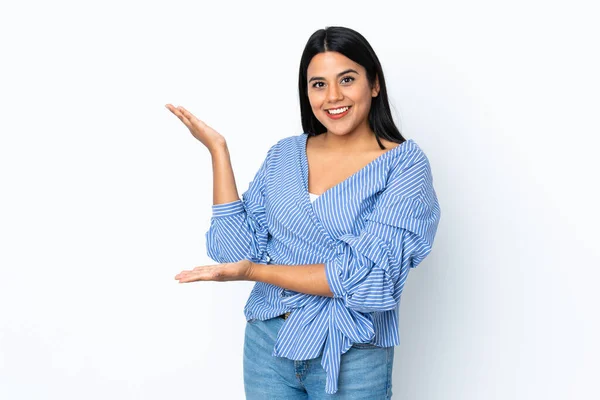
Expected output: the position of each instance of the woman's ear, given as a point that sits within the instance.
(375, 89)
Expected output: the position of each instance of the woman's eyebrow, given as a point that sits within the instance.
(314, 78)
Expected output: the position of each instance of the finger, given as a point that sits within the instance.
(183, 119)
(184, 278)
(184, 272)
(203, 267)
(192, 118)
(175, 111)
(179, 113)
(186, 113)
(193, 277)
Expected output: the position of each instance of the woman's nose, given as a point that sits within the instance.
(334, 93)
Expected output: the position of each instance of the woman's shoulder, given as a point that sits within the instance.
(292, 139)
(410, 166)
(400, 156)
(406, 163)
(409, 151)
(288, 143)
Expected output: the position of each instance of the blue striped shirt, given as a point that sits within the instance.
(368, 230)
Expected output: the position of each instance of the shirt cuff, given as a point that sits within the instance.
(335, 284)
(227, 209)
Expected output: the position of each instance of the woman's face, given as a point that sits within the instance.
(339, 92)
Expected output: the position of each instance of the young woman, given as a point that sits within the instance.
(328, 229)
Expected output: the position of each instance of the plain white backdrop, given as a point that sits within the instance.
(105, 196)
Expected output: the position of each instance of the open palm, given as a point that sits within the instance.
(204, 133)
(237, 271)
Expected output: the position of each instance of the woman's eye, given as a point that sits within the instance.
(346, 79)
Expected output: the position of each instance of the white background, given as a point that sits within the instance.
(105, 195)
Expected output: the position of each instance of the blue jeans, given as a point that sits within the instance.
(365, 370)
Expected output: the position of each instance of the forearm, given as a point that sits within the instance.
(309, 279)
(224, 187)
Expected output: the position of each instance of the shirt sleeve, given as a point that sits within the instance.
(371, 267)
(238, 230)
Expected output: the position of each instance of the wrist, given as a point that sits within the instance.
(218, 148)
(253, 271)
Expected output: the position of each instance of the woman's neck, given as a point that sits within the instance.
(356, 141)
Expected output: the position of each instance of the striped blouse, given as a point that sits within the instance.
(368, 230)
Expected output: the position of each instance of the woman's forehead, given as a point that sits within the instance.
(331, 63)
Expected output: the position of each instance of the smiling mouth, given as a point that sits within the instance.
(337, 111)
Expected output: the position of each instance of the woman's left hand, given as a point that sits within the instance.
(237, 271)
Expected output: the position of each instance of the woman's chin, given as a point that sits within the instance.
(337, 131)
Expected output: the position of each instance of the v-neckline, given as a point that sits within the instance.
(334, 187)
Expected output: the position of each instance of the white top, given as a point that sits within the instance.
(313, 197)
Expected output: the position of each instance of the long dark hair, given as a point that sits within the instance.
(354, 46)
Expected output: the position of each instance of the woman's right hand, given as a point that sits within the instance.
(204, 133)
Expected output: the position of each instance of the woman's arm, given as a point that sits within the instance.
(224, 187)
(309, 279)
(238, 227)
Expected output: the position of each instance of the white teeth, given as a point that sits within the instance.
(338, 110)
